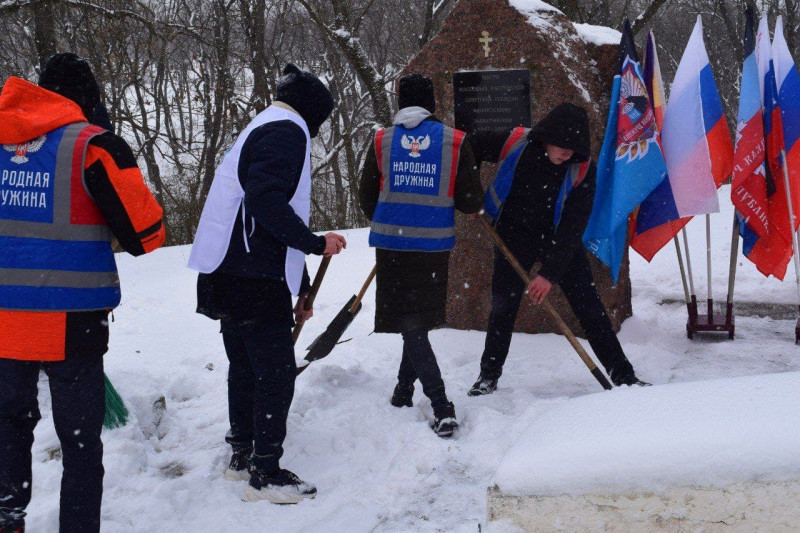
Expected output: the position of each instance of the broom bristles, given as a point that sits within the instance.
(116, 412)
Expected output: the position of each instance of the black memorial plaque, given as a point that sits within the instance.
(487, 100)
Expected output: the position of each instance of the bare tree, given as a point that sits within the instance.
(434, 9)
(181, 78)
(343, 32)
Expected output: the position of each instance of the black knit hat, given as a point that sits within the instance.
(416, 90)
(307, 95)
(71, 76)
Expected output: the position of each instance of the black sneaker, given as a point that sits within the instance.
(402, 395)
(444, 423)
(281, 486)
(631, 380)
(12, 521)
(483, 386)
(240, 467)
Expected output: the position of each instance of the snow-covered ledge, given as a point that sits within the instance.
(708, 456)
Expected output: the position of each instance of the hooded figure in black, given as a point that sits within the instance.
(411, 291)
(248, 291)
(526, 225)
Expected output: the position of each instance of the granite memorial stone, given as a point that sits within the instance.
(565, 62)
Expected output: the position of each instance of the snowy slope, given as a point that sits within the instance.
(377, 468)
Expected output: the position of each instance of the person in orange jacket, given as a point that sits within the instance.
(67, 190)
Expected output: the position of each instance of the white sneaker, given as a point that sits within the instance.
(239, 467)
(281, 487)
(236, 475)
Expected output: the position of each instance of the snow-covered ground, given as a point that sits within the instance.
(708, 434)
(377, 468)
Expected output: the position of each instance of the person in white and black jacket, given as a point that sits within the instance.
(250, 248)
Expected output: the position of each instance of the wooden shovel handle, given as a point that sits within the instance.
(312, 295)
(354, 307)
(562, 326)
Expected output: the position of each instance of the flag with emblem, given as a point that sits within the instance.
(631, 164)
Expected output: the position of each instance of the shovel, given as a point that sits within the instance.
(312, 294)
(327, 341)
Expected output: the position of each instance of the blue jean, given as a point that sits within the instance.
(78, 392)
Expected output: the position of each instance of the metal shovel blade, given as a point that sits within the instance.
(326, 342)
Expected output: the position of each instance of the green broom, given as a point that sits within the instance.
(116, 412)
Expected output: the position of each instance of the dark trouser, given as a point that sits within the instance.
(577, 285)
(260, 388)
(78, 392)
(419, 361)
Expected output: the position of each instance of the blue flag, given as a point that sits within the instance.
(631, 164)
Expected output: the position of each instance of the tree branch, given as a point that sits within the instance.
(642, 20)
(432, 9)
(351, 49)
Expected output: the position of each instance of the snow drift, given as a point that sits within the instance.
(704, 434)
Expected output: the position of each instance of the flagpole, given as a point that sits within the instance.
(688, 262)
(785, 168)
(732, 273)
(710, 300)
(693, 297)
(683, 269)
(791, 222)
(782, 56)
(708, 268)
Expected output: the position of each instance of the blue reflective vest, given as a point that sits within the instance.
(56, 248)
(500, 188)
(416, 210)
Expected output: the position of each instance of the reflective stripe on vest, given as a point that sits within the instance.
(416, 209)
(574, 177)
(500, 188)
(56, 244)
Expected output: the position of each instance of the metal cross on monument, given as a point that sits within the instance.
(485, 40)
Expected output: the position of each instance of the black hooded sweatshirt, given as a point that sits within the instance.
(528, 213)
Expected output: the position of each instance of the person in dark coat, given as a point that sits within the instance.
(540, 223)
(416, 174)
(248, 285)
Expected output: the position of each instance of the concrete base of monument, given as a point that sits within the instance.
(745, 507)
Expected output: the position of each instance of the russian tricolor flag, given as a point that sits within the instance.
(697, 145)
(647, 243)
(749, 186)
(757, 192)
(787, 82)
